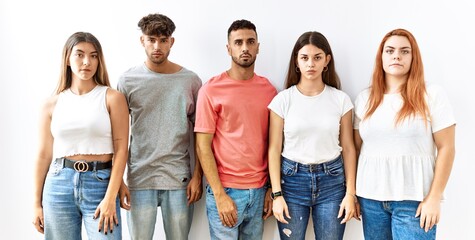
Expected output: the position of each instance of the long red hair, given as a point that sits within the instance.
(413, 91)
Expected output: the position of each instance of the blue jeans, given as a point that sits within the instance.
(317, 189)
(250, 206)
(176, 214)
(71, 197)
(392, 220)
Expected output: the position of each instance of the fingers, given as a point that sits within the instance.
(38, 224)
(228, 220)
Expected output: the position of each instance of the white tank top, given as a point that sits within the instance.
(80, 124)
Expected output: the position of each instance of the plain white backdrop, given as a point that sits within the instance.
(32, 34)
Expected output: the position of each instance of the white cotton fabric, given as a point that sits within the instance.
(397, 162)
(311, 123)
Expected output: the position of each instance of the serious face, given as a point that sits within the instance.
(157, 48)
(397, 56)
(243, 47)
(83, 61)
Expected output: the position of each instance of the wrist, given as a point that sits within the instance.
(274, 195)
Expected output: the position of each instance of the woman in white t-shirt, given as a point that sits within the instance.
(406, 133)
(311, 147)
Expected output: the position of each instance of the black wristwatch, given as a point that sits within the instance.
(275, 194)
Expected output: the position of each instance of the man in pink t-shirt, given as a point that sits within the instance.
(232, 132)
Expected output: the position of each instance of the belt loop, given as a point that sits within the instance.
(62, 162)
(94, 164)
(324, 167)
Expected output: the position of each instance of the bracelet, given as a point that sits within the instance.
(354, 196)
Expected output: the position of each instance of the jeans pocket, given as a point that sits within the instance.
(335, 169)
(102, 175)
(288, 168)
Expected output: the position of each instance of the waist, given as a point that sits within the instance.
(320, 167)
(83, 166)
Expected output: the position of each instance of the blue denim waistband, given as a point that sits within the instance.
(320, 167)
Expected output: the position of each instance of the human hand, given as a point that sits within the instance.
(124, 196)
(194, 190)
(429, 213)
(38, 220)
(279, 208)
(107, 216)
(267, 205)
(348, 207)
(227, 210)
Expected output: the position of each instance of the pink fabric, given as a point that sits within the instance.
(236, 113)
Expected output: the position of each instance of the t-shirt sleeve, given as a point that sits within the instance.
(195, 89)
(347, 104)
(206, 116)
(359, 109)
(441, 113)
(277, 105)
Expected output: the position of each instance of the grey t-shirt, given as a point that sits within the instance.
(162, 110)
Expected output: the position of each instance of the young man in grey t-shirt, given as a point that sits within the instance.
(161, 97)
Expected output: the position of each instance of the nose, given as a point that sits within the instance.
(86, 61)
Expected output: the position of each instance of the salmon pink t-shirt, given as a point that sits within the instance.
(235, 111)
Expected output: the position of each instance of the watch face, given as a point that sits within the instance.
(276, 194)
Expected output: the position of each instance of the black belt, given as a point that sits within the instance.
(83, 166)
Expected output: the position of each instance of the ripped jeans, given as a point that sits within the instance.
(317, 189)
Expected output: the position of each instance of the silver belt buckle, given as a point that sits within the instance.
(81, 166)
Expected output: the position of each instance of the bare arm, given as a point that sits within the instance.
(429, 208)
(349, 158)
(195, 186)
(227, 209)
(119, 116)
(43, 160)
(276, 131)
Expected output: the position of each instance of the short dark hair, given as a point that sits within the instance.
(241, 24)
(156, 24)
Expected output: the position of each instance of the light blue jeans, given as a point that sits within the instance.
(250, 207)
(71, 197)
(176, 214)
(317, 189)
(392, 220)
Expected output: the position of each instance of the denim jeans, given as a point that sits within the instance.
(317, 189)
(71, 197)
(392, 220)
(176, 214)
(250, 206)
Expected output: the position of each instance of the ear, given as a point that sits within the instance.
(229, 50)
(329, 57)
(258, 44)
(142, 39)
(172, 41)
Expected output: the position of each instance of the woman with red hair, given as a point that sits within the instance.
(404, 133)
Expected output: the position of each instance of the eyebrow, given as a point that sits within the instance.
(395, 48)
(81, 51)
(304, 54)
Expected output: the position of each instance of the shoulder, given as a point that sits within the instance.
(190, 75)
(337, 92)
(48, 104)
(434, 89)
(113, 96)
(131, 72)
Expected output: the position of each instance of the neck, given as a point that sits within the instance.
(310, 88)
(394, 83)
(240, 73)
(166, 67)
(80, 87)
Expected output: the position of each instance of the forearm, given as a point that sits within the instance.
(210, 170)
(274, 169)
(443, 167)
(40, 172)
(349, 159)
(117, 173)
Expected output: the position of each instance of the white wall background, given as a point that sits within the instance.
(32, 34)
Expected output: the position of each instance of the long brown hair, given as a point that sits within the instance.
(413, 91)
(65, 79)
(316, 39)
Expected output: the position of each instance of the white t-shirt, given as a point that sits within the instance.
(311, 123)
(397, 162)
